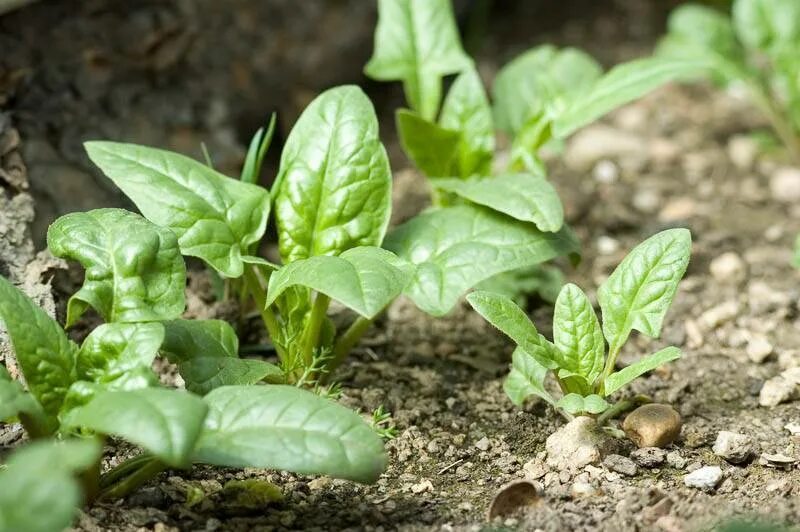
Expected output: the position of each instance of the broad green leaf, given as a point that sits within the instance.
(538, 83)
(525, 379)
(617, 380)
(432, 148)
(517, 285)
(113, 351)
(215, 218)
(186, 339)
(364, 279)
(526, 197)
(44, 353)
(16, 402)
(259, 145)
(466, 110)
(768, 24)
(204, 373)
(514, 323)
(284, 427)
(574, 382)
(41, 492)
(577, 334)
(623, 84)
(458, 247)
(417, 42)
(574, 403)
(335, 181)
(639, 292)
(164, 422)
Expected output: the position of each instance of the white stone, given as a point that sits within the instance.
(483, 444)
(706, 478)
(722, 313)
(599, 141)
(759, 348)
(785, 184)
(733, 447)
(605, 172)
(607, 245)
(678, 210)
(576, 444)
(742, 151)
(583, 489)
(776, 390)
(728, 268)
(646, 200)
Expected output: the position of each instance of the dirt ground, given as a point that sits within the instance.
(684, 157)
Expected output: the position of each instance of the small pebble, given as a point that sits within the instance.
(793, 428)
(706, 478)
(733, 447)
(785, 184)
(652, 425)
(759, 348)
(649, 456)
(776, 390)
(742, 151)
(606, 172)
(583, 489)
(607, 245)
(675, 460)
(728, 268)
(483, 444)
(620, 464)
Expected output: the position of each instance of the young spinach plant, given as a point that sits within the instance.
(757, 47)
(636, 296)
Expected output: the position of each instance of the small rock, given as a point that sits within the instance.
(728, 268)
(577, 444)
(513, 496)
(678, 210)
(793, 428)
(534, 469)
(675, 460)
(599, 141)
(652, 425)
(706, 478)
(646, 201)
(422, 486)
(583, 489)
(758, 348)
(607, 245)
(733, 447)
(776, 390)
(719, 314)
(763, 298)
(776, 460)
(605, 172)
(620, 464)
(649, 456)
(785, 184)
(742, 151)
(483, 444)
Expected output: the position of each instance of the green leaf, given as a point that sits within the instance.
(577, 333)
(335, 181)
(416, 42)
(526, 197)
(15, 402)
(526, 378)
(256, 151)
(466, 110)
(364, 279)
(164, 422)
(41, 492)
(44, 353)
(545, 281)
(514, 323)
(284, 427)
(186, 339)
(574, 404)
(205, 373)
(458, 247)
(215, 218)
(768, 24)
(617, 380)
(432, 148)
(639, 292)
(115, 350)
(574, 382)
(623, 84)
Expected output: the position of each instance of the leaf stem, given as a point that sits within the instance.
(133, 481)
(318, 312)
(782, 128)
(611, 362)
(348, 340)
(253, 285)
(123, 469)
(622, 406)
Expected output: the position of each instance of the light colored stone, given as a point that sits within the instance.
(758, 348)
(600, 141)
(728, 268)
(733, 447)
(793, 428)
(776, 390)
(742, 151)
(706, 478)
(675, 460)
(649, 456)
(646, 200)
(678, 210)
(422, 486)
(653, 425)
(620, 464)
(607, 245)
(483, 444)
(763, 298)
(577, 444)
(583, 489)
(719, 314)
(784, 184)
(605, 172)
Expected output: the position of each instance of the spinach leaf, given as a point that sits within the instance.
(215, 218)
(639, 292)
(617, 380)
(577, 334)
(334, 188)
(16, 402)
(432, 148)
(543, 280)
(526, 378)
(364, 279)
(767, 25)
(574, 403)
(456, 248)
(205, 373)
(255, 153)
(44, 353)
(288, 428)
(417, 42)
(185, 339)
(526, 197)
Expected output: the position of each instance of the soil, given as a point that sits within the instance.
(680, 157)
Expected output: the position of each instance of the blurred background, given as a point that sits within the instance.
(177, 73)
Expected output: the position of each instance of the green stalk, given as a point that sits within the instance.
(783, 129)
(611, 361)
(253, 285)
(133, 481)
(318, 312)
(123, 469)
(348, 340)
(622, 406)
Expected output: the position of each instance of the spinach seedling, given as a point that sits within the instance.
(758, 47)
(636, 296)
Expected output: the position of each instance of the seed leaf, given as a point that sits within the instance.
(334, 188)
(526, 378)
(456, 248)
(215, 218)
(432, 148)
(639, 292)
(287, 428)
(417, 42)
(526, 197)
(577, 333)
(617, 380)
(574, 404)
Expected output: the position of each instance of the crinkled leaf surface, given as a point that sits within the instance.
(432, 148)
(639, 292)
(134, 269)
(164, 422)
(44, 353)
(284, 427)
(456, 248)
(574, 403)
(526, 378)
(364, 279)
(204, 373)
(186, 339)
(767, 24)
(114, 350)
(16, 401)
(577, 333)
(335, 181)
(617, 380)
(504, 314)
(526, 197)
(41, 493)
(466, 110)
(215, 218)
(417, 42)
